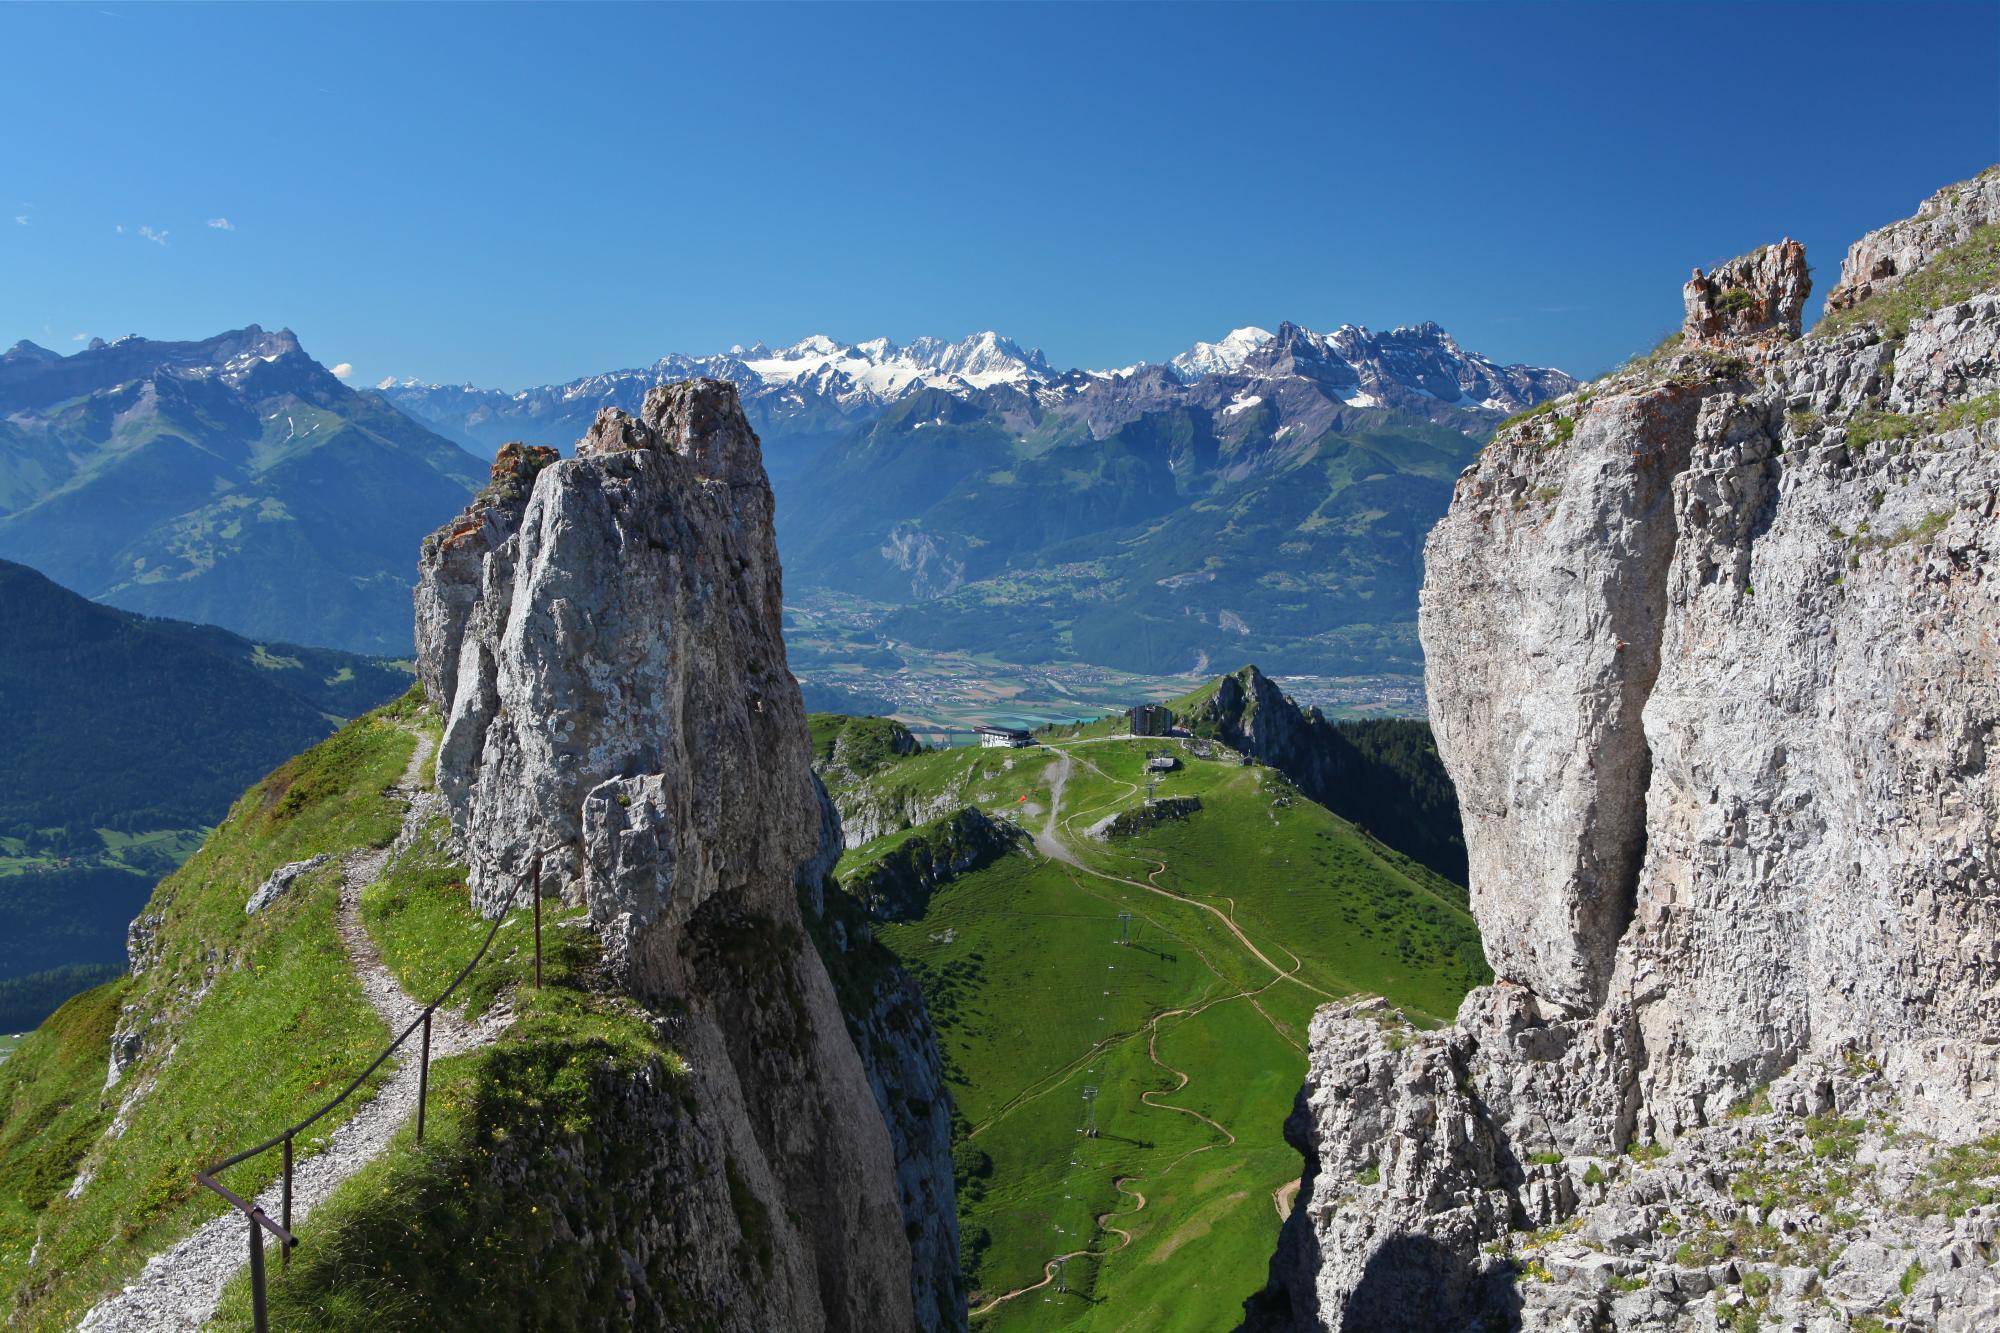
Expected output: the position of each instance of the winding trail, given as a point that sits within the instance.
(1049, 842)
(179, 1289)
(1064, 854)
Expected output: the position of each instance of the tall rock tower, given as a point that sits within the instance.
(603, 634)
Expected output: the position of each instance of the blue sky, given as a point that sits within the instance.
(520, 194)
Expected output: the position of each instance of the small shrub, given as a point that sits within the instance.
(1971, 412)
(1833, 1137)
(1545, 1158)
(1595, 1175)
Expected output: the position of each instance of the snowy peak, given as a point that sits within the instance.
(820, 384)
(1225, 357)
(881, 368)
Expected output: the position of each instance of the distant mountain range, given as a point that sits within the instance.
(232, 480)
(1263, 495)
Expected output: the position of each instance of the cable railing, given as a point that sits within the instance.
(281, 1228)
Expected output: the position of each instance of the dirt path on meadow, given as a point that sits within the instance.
(179, 1289)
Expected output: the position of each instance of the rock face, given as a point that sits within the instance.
(1711, 653)
(280, 883)
(1881, 259)
(898, 886)
(1761, 293)
(603, 634)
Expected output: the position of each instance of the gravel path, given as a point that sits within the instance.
(179, 1289)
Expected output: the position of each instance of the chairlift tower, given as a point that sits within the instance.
(1061, 1264)
(1125, 928)
(1090, 1111)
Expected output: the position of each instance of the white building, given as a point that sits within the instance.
(1009, 738)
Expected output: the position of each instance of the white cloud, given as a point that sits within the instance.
(120, 229)
(21, 219)
(342, 371)
(222, 224)
(157, 235)
(79, 337)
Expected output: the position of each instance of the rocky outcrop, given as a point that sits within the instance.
(1760, 294)
(1882, 258)
(1406, 800)
(875, 809)
(280, 883)
(1136, 820)
(1711, 654)
(897, 885)
(623, 730)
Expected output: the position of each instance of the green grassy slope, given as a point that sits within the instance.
(278, 1025)
(1193, 1040)
(430, 1236)
(264, 1020)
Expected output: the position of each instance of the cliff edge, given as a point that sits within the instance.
(1711, 653)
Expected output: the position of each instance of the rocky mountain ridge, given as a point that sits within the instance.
(820, 384)
(603, 635)
(231, 480)
(1711, 658)
(1273, 508)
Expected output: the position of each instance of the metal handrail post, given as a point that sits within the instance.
(259, 1314)
(424, 1077)
(285, 1251)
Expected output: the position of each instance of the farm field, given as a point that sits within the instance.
(835, 643)
(1245, 917)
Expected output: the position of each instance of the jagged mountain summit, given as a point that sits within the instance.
(232, 480)
(802, 388)
(1218, 358)
(810, 388)
(1711, 657)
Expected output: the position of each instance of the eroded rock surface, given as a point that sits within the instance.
(1761, 293)
(603, 634)
(1713, 655)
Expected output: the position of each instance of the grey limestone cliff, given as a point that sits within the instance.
(602, 634)
(1711, 654)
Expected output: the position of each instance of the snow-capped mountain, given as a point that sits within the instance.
(1219, 358)
(881, 368)
(807, 394)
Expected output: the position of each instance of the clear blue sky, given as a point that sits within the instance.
(521, 194)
